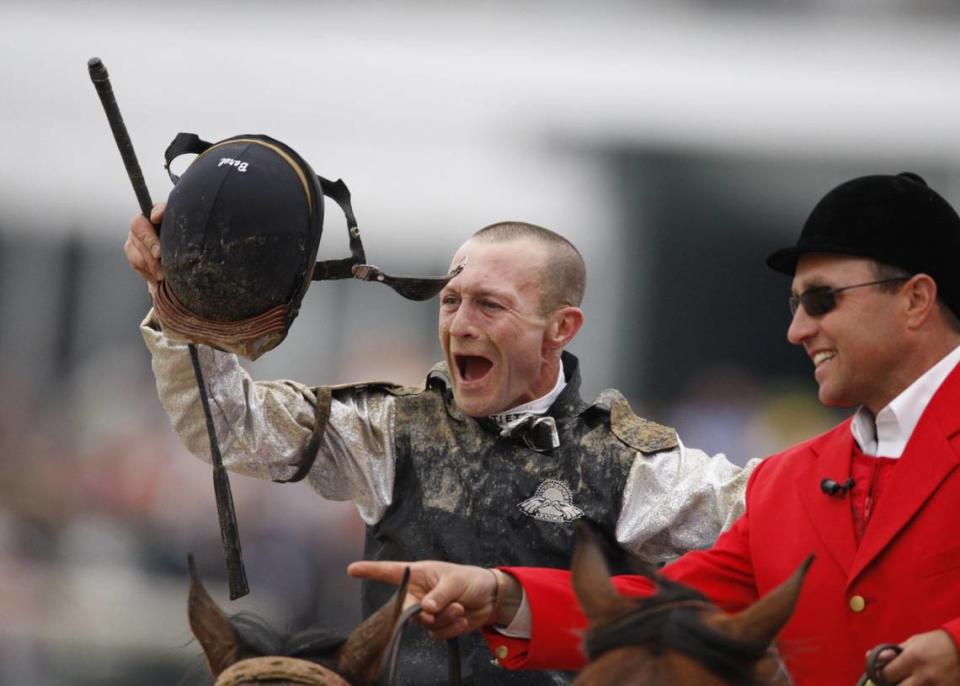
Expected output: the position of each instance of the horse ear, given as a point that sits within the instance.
(361, 656)
(591, 579)
(763, 620)
(211, 627)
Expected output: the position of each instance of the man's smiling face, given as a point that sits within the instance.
(857, 347)
(491, 328)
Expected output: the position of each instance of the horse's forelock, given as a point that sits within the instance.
(256, 638)
(679, 627)
(726, 656)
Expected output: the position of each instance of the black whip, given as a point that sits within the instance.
(229, 533)
(101, 81)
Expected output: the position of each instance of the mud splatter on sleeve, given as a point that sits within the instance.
(357, 457)
(264, 426)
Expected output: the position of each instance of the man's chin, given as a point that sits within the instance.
(474, 406)
(829, 397)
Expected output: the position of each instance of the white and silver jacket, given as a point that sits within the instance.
(670, 500)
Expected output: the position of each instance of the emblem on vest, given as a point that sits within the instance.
(551, 503)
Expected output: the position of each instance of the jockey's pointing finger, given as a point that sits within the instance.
(389, 572)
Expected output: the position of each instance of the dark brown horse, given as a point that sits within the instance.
(243, 650)
(676, 636)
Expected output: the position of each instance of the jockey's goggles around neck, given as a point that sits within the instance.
(819, 300)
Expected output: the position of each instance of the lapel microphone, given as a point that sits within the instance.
(833, 488)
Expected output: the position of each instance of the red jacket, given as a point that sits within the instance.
(903, 579)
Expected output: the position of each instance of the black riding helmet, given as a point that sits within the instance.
(239, 241)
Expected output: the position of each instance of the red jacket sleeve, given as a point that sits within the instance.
(724, 573)
(557, 621)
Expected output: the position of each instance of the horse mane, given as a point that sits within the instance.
(669, 621)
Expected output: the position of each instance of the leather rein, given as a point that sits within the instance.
(393, 649)
(873, 676)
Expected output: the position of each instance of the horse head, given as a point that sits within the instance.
(242, 650)
(675, 636)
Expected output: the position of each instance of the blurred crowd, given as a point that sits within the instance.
(99, 506)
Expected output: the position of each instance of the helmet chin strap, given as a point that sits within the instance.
(356, 267)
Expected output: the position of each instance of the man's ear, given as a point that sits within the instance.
(563, 325)
(921, 292)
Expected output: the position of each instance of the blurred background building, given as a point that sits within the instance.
(675, 143)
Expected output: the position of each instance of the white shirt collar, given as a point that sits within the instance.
(887, 436)
(540, 405)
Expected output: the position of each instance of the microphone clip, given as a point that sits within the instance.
(834, 488)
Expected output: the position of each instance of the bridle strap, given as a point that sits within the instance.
(393, 649)
(265, 669)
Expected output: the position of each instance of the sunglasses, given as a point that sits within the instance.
(819, 300)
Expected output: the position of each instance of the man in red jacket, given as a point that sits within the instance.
(875, 301)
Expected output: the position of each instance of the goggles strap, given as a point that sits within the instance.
(356, 267)
(183, 144)
(328, 270)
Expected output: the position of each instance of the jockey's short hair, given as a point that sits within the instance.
(564, 277)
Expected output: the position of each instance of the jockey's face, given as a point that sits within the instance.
(491, 329)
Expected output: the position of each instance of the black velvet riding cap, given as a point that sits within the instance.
(894, 219)
(238, 242)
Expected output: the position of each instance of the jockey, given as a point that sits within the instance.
(491, 462)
